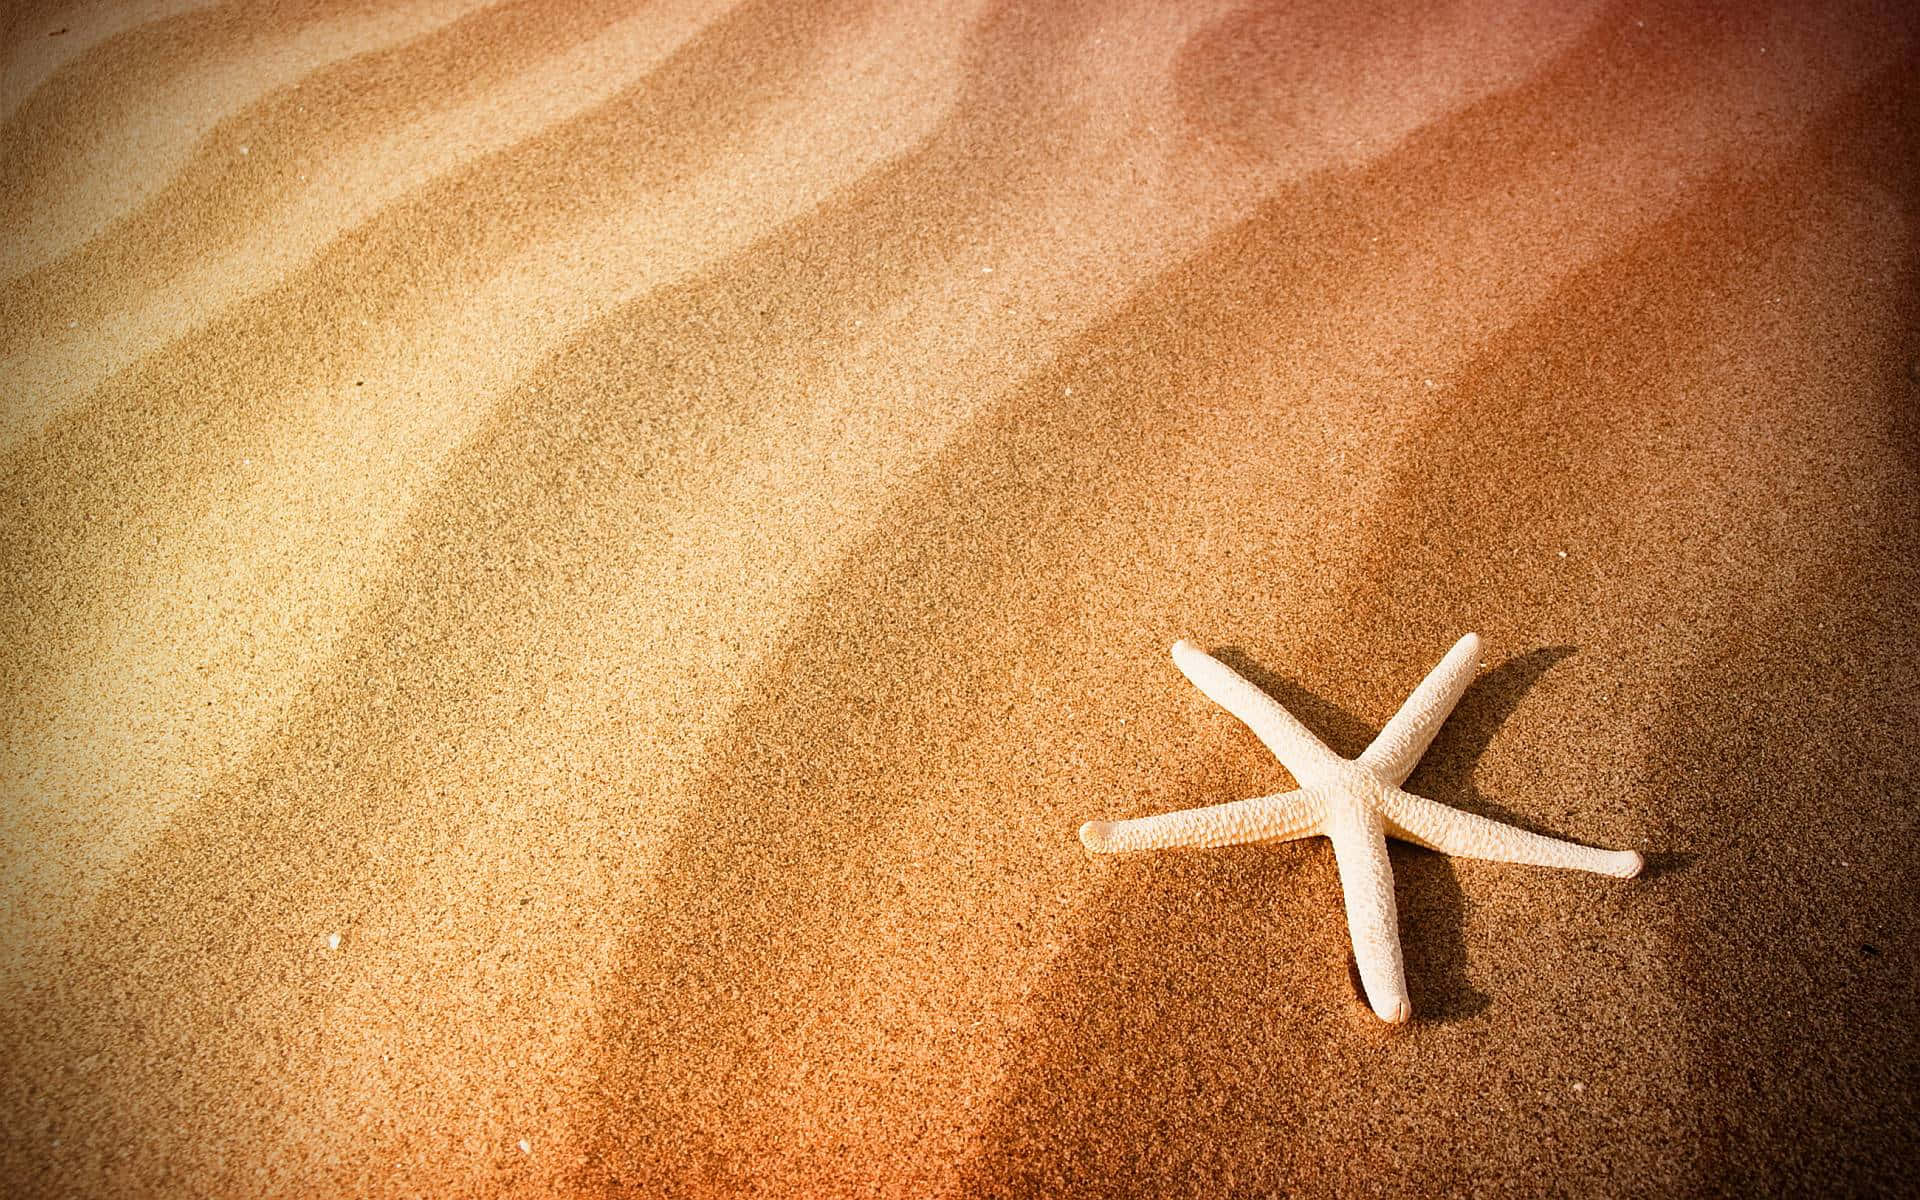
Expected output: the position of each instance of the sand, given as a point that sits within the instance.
(572, 568)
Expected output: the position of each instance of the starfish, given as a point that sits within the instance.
(1356, 803)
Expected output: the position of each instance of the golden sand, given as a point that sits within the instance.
(571, 569)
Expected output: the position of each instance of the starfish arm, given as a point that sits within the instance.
(1275, 818)
(1305, 755)
(1373, 921)
(1394, 753)
(1450, 831)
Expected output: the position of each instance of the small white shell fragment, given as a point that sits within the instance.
(524, 1147)
(333, 941)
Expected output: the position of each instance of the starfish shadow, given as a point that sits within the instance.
(1426, 886)
(1666, 862)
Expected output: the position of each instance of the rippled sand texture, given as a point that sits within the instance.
(571, 569)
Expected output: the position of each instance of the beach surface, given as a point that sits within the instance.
(570, 569)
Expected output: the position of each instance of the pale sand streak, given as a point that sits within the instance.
(348, 190)
(131, 161)
(1553, 215)
(334, 480)
(33, 55)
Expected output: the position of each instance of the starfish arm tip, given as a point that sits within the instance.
(1399, 1012)
(1095, 835)
(1627, 864)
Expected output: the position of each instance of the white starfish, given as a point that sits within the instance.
(1356, 803)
